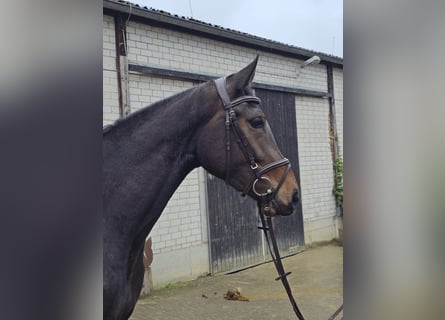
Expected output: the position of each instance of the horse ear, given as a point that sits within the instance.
(243, 78)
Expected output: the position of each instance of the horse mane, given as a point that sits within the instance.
(151, 108)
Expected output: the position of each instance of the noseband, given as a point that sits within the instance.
(231, 121)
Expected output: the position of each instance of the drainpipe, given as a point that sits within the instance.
(122, 64)
(332, 116)
(333, 123)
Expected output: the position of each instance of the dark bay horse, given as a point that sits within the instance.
(217, 125)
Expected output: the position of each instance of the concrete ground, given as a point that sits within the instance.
(316, 281)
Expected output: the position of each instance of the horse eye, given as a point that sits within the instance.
(257, 122)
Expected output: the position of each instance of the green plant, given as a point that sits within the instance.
(338, 182)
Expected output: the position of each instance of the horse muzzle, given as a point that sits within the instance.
(273, 207)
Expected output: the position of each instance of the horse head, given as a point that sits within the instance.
(237, 145)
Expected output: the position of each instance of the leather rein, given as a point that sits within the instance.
(265, 199)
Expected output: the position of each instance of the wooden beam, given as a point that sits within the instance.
(182, 75)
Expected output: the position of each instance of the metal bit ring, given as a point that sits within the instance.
(268, 190)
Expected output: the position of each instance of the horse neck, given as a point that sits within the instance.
(148, 156)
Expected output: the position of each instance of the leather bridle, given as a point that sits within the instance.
(264, 198)
(258, 172)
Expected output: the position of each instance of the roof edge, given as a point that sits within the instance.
(208, 30)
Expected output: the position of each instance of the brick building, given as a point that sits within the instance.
(159, 54)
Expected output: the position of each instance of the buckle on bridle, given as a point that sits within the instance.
(254, 166)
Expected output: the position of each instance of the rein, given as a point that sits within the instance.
(265, 198)
(267, 227)
(269, 234)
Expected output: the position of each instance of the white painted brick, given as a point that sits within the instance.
(165, 237)
(145, 39)
(191, 238)
(186, 233)
(170, 243)
(174, 232)
(180, 241)
(134, 36)
(315, 157)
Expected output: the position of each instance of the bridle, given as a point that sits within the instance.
(265, 199)
(258, 172)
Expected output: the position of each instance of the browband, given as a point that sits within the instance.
(221, 87)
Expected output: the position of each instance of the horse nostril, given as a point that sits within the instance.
(295, 196)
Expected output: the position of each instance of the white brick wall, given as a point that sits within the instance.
(157, 47)
(180, 224)
(145, 90)
(315, 161)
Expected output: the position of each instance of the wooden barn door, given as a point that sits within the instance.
(235, 241)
